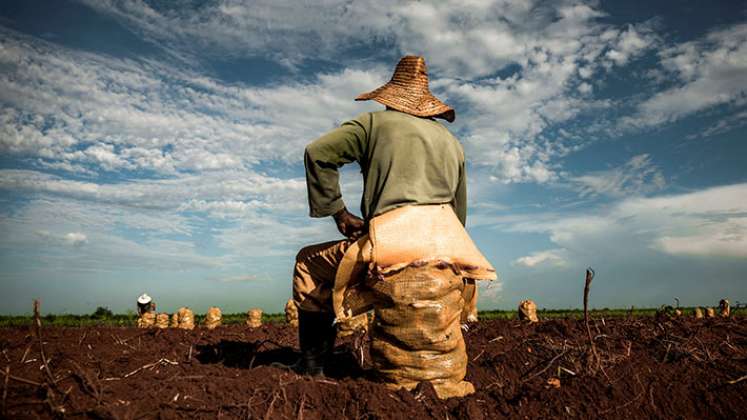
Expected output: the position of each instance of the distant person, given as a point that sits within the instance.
(406, 157)
(145, 304)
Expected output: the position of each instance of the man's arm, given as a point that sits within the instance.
(460, 197)
(322, 159)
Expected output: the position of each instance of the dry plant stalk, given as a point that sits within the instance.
(587, 285)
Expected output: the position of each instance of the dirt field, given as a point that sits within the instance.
(682, 368)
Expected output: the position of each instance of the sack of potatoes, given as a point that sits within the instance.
(254, 318)
(213, 318)
(528, 311)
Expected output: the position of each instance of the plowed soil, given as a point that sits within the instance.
(644, 368)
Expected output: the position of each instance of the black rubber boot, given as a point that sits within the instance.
(316, 336)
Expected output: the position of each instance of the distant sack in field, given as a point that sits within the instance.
(698, 312)
(147, 320)
(162, 320)
(186, 318)
(723, 308)
(528, 311)
(213, 318)
(291, 313)
(254, 318)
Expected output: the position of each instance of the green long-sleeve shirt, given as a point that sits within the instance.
(404, 160)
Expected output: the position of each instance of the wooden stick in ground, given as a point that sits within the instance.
(587, 286)
(37, 327)
(5, 389)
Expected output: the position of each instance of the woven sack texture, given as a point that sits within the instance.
(528, 311)
(147, 320)
(186, 318)
(162, 320)
(416, 335)
(213, 318)
(291, 313)
(254, 318)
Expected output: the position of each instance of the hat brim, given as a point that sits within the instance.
(418, 103)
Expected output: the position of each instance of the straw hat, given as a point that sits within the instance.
(144, 299)
(408, 91)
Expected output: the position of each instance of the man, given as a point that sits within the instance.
(145, 304)
(406, 158)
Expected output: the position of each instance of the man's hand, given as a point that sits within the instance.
(350, 225)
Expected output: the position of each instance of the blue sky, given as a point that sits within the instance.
(157, 146)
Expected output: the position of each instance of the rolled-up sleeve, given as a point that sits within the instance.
(323, 157)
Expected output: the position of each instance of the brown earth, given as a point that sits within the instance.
(682, 368)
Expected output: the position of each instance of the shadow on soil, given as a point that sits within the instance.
(252, 354)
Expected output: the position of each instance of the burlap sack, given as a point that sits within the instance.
(723, 308)
(698, 312)
(410, 270)
(710, 313)
(291, 313)
(186, 318)
(416, 335)
(213, 318)
(175, 321)
(350, 326)
(162, 321)
(528, 311)
(254, 318)
(677, 312)
(147, 320)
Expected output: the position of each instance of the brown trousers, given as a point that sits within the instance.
(314, 277)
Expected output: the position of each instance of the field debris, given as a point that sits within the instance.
(213, 317)
(657, 369)
(254, 318)
(528, 311)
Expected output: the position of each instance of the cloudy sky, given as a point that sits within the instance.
(157, 145)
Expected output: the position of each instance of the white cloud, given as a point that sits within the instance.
(75, 111)
(707, 72)
(637, 176)
(550, 45)
(550, 257)
(71, 238)
(239, 279)
(706, 223)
